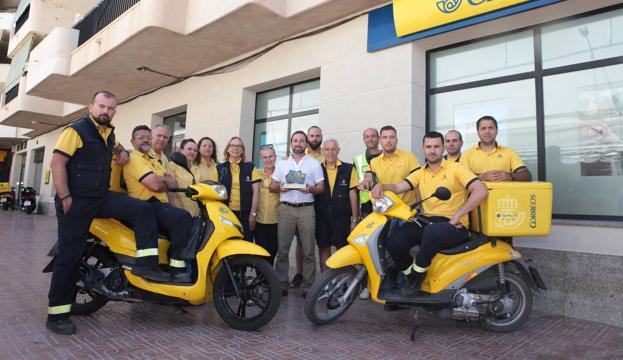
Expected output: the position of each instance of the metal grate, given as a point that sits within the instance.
(100, 16)
(11, 94)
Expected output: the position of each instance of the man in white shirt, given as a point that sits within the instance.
(297, 179)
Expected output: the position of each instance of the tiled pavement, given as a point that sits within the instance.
(150, 331)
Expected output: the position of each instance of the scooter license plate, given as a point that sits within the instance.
(2, 200)
(26, 203)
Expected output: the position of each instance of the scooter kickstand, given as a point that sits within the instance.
(415, 324)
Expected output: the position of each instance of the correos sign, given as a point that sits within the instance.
(412, 16)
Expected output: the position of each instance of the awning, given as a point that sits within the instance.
(18, 64)
(20, 9)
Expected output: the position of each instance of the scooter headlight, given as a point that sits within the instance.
(226, 221)
(221, 191)
(383, 204)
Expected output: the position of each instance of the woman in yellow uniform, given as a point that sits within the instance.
(184, 178)
(243, 189)
(267, 210)
(207, 160)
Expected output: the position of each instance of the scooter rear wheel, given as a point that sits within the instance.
(258, 297)
(88, 301)
(521, 297)
(322, 305)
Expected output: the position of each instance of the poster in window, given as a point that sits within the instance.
(601, 129)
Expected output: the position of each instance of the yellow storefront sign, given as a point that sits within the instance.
(412, 16)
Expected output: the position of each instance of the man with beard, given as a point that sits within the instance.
(297, 179)
(81, 170)
(492, 161)
(454, 143)
(445, 221)
(160, 138)
(147, 180)
(393, 164)
(314, 151)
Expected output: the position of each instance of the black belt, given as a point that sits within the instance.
(296, 205)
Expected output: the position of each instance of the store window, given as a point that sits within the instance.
(560, 105)
(280, 112)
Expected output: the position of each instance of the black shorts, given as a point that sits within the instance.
(332, 232)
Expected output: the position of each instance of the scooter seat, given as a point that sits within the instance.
(470, 245)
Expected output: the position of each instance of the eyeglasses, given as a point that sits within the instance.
(266, 146)
(235, 146)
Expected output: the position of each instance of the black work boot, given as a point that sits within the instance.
(414, 282)
(151, 274)
(181, 275)
(62, 326)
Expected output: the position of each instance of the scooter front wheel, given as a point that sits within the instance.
(324, 303)
(247, 293)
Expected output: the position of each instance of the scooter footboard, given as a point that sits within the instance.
(345, 256)
(236, 247)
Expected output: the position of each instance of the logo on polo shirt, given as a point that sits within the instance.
(500, 156)
(445, 177)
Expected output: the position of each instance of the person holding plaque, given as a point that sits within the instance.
(297, 179)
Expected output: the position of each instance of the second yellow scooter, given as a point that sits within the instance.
(484, 279)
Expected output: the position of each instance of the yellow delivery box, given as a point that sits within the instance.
(515, 208)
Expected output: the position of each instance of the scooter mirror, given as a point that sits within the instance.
(442, 193)
(179, 159)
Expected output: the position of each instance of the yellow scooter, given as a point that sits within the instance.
(228, 269)
(484, 279)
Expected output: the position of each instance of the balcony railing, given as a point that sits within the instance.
(100, 16)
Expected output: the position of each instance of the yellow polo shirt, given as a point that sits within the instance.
(140, 166)
(70, 141)
(234, 196)
(332, 174)
(161, 158)
(184, 179)
(392, 169)
(318, 156)
(452, 175)
(207, 172)
(455, 158)
(267, 209)
(500, 158)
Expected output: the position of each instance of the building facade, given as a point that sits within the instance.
(551, 72)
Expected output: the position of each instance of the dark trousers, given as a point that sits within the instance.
(266, 236)
(177, 223)
(73, 230)
(432, 238)
(332, 231)
(366, 209)
(243, 216)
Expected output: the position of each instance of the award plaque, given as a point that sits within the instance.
(295, 180)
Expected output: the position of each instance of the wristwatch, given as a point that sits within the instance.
(253, 213)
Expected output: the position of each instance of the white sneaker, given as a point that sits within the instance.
(364, 294)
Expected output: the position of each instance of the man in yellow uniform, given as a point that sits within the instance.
(445, 223)
(393, 164)
(492, 161)
(454, 143)
(147, 180)
(81, 171)
(159, 139)
(337, 209)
